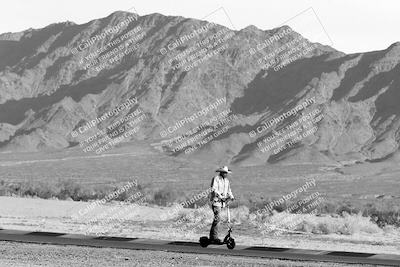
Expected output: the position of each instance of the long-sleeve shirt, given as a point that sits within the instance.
(220, 188)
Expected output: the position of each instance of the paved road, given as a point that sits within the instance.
(193, 247)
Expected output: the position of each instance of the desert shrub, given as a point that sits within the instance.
(124, 195)
(334, 217)
(165, 196)
(384, 218)
(347, 208)
(193, 216)
(194, 199)
(100, 192)
(382, 213)
(168, 196)
(69, 189)
(328, 208)
(63, 189)
(204, 214)
(239, 214)
(347, 224)
(356, 223)
(40, 189)
(256, 203)
(196, 203)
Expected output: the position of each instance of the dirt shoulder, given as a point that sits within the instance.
(25, 254)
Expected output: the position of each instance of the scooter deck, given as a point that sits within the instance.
(216, 243)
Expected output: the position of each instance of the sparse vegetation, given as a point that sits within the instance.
(343, 217)
(64, 189)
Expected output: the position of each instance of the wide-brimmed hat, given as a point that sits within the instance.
(224, 169)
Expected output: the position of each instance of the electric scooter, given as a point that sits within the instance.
(228, 240)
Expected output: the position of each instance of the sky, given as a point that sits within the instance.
(347, 25)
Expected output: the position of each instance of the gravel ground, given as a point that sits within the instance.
(32, 255)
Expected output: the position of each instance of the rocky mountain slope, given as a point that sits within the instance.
(55, 80)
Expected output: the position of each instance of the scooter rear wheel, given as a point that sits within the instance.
(204, 241)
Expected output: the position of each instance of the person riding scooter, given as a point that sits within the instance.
(220, 194)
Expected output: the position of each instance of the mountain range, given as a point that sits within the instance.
(55, 79)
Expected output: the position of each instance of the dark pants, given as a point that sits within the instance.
(215, 223)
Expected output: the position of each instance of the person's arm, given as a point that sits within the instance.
(230, 195)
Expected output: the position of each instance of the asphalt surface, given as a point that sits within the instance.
(194, 247)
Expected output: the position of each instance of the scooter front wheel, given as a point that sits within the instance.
(230, 243)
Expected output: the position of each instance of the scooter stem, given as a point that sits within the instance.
(229, 215)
